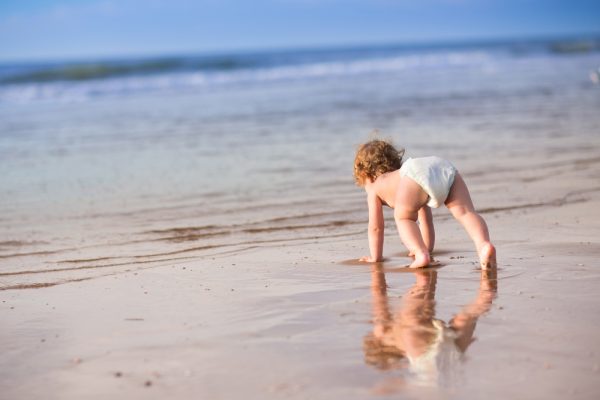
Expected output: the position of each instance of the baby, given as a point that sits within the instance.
(411, 188)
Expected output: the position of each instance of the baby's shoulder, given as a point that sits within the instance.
(387, 182)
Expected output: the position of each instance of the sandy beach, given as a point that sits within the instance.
(158, 281)
(289, 320)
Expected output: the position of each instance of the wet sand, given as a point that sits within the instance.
(273, 306)
(202, 242)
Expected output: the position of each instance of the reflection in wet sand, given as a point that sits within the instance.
(412, 339)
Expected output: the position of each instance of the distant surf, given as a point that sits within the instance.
(75, 81)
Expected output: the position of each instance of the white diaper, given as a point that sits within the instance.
(434, 174)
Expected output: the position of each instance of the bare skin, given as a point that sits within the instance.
(409, 202)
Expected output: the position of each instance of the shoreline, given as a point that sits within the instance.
(167, 234)
(173, 241)
(273, 320)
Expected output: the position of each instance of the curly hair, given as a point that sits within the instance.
(375, 158)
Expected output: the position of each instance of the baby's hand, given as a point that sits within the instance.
(368, 259)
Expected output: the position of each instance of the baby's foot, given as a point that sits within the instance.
(421, 260)
(487, 256)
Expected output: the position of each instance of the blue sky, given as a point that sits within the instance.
(55, 29)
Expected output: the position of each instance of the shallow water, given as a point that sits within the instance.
(202, 236)
(144, 177)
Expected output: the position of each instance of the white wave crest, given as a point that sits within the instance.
(84, 90)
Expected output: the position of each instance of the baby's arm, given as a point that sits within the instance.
(426, 227)
(375, 230)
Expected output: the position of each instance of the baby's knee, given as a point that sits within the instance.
(461, 211)
(401, 213)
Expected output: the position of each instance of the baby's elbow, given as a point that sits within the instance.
(375, 228)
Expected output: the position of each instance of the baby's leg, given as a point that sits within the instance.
(460, 205)
(409, 199)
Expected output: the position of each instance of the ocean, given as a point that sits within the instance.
(109, 163)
